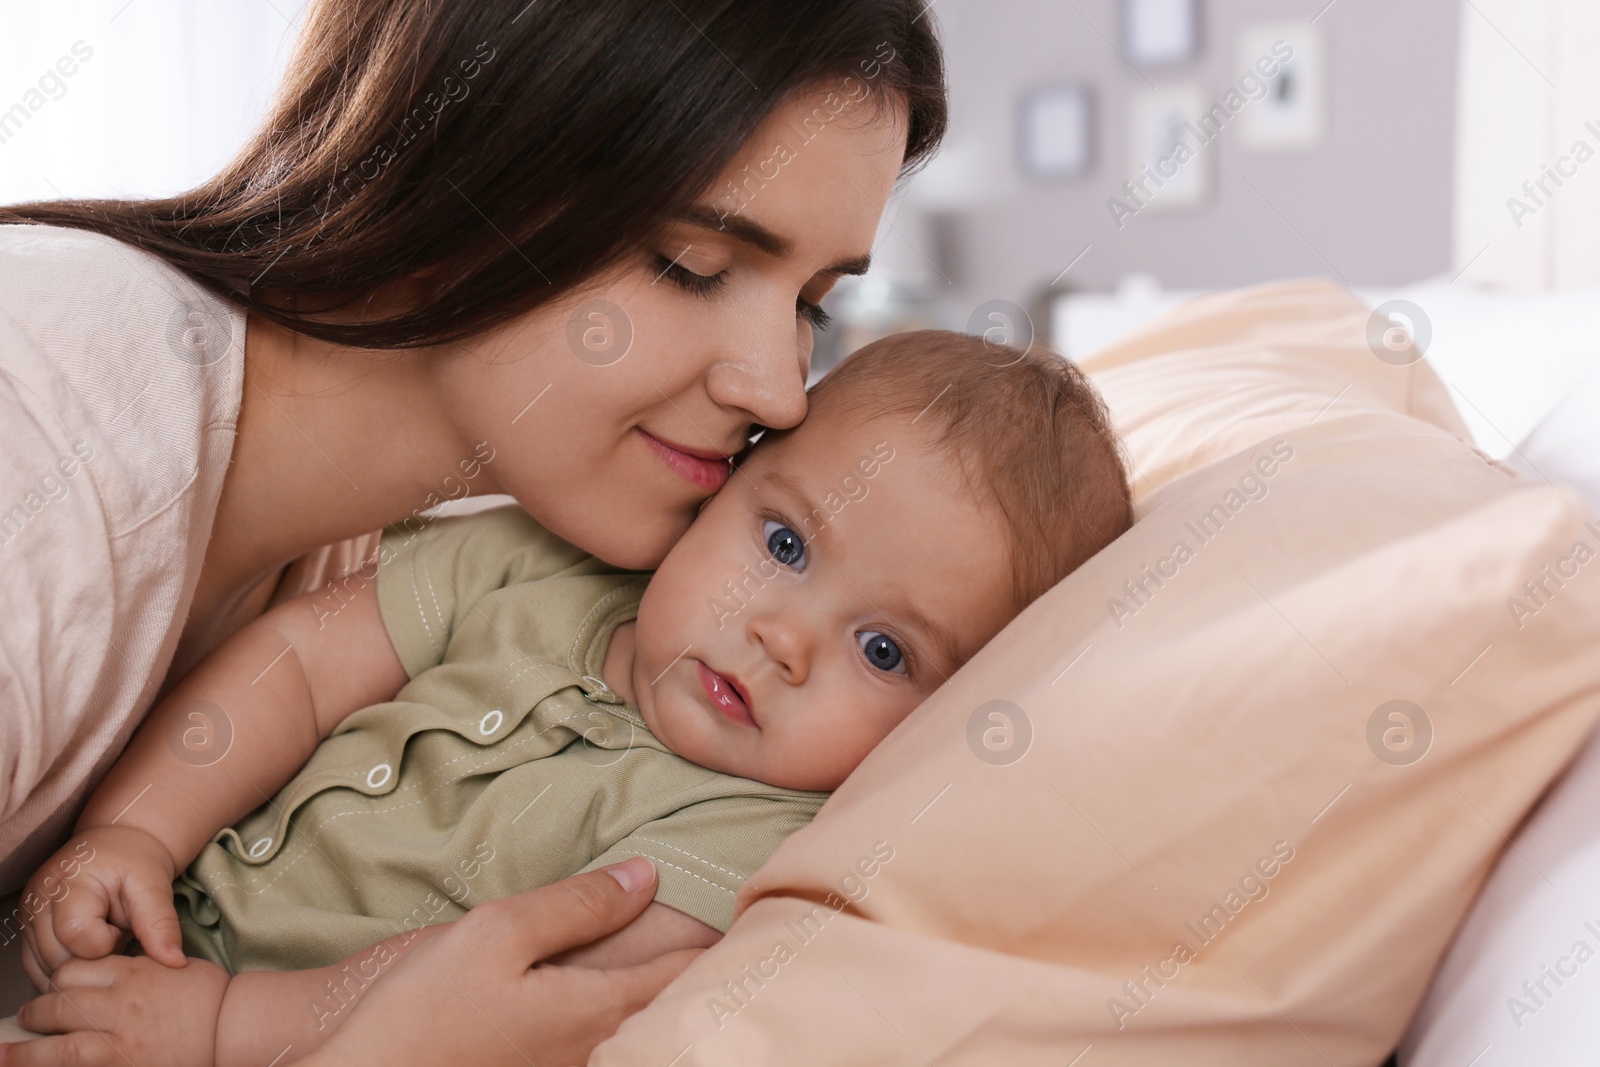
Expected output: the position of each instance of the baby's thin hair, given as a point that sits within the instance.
(1025, 428)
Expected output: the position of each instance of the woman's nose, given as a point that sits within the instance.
(766, 377)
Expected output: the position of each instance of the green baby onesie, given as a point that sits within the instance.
(505, 763)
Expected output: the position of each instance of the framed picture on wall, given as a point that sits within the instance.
(1159, 33)
(1167, 150)
(1055, 133)
(1292, 116)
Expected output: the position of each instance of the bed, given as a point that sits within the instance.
(1212, 765)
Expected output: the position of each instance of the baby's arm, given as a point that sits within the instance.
(133, 1010)
(281, 685)
(267, 696)
(275, 1011)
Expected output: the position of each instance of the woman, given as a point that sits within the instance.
(568, 250)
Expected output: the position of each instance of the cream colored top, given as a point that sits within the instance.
(120, 384)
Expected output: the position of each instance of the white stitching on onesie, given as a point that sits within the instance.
(583, 627)
(685, 870)
(422, 612)
(732, 874)
(437, 610)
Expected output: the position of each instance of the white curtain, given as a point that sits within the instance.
(1528, 144)
(132, 97)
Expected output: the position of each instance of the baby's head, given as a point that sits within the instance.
(852, 564)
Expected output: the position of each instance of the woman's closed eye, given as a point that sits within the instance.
(813, 314)
(710, 284)
(684, 278)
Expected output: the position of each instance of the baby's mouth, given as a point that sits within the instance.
(727, 696)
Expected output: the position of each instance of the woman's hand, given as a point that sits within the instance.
(476, 993)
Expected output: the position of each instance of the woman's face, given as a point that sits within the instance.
(612, 412)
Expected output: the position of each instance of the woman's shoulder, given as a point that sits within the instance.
(57, 276)
(66, 259)
(62, 284)
(107, 346)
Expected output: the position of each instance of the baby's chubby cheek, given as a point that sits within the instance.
(668, 531)
(823, 752)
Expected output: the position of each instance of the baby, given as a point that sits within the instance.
(498, 709)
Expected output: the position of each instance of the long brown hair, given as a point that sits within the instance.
(510, 149)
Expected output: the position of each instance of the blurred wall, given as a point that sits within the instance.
(131, 98)
(1527, 187)
(1371, 206)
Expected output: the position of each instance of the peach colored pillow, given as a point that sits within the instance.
(1195, 832)
(1218, 374)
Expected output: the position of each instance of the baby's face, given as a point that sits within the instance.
(842, 574)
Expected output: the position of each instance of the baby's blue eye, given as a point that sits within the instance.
(785, 545)
(881, 651)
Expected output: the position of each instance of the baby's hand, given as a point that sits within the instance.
(106, 883)
(122, 1010)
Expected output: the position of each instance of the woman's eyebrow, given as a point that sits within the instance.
(762, 239)
(859, 265)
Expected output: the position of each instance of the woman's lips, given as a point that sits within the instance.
(703, 469)
(725, 695)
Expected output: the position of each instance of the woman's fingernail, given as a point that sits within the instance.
(632, 874)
